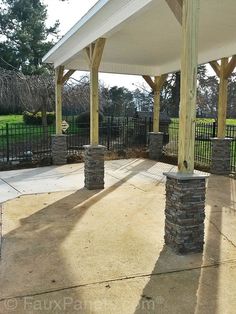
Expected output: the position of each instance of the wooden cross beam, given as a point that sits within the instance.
(66, 76)
(223, 71)
(94, 55)
(156, 87)
(176, 7)
(216, 67)
(228, 68)
(150, 82)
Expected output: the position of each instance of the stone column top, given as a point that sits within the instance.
(94, 147)
(221, 139)
(155, 133)
(186, 176)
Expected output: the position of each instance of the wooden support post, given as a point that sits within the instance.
(94, 54)
(94, 107)
(190, 18)
(223, 71)
(156, 107)
(58, 95)
(223, 97)
(156, 87)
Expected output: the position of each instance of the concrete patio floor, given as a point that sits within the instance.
(69, 250)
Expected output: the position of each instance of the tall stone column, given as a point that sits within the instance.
(185, 212)
(221, 151)
(155, 145)
(94, 166)
(59, 149)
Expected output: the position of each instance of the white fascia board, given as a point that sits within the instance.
(98, 6)
(111, 20)
(117, 68)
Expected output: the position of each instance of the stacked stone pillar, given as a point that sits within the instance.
(155, 145)
(185, 212)
(94, 166)
(221, 151)
(59, 149)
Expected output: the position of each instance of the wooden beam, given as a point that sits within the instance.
(95, 56)
(87, 55)
(230, 67)
(223, 97)
(156, 87)
(67, 76)
(188, 86)
(58, 98)
(176, 7)
(60, 74)
(94, 107)
(97, 52)
(216, 67)
(161, 81)
(156, 107)
(149, 81)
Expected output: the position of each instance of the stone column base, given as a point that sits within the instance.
(221, 151)
(94, 166)
(59, 149)
(155, 145)
(185, 212)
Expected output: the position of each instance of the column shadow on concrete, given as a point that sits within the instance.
(189, 289)
(31, 262)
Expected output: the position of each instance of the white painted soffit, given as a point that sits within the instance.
(144, 37)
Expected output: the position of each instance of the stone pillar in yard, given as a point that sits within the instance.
(94, 166)
(185, 212)
(59, 149)
(221, 151)
(155, 145)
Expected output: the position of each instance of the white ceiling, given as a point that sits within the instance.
(144, 37)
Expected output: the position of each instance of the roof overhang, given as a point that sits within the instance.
(144, 37)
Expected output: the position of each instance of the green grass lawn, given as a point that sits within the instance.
(13, 118)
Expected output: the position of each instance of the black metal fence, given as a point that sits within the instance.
(21, 143)
(114, 133)
(203, 145)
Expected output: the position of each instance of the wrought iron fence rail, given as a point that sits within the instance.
(20, 142)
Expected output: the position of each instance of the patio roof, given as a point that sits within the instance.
(144, 37)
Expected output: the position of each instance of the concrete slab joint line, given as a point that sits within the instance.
(59, 149)
(155, 145)
(221, 151)
(185, 213)
(94, 166)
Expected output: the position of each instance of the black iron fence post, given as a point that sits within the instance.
(214, 130)
(8, 144)
(108, 132)
(150, 124)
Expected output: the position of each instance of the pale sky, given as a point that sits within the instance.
(68, 13)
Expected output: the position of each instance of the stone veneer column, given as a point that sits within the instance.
(221, 151)
(94, 166)
(155, 145)
(185, 212)
(59, 149)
